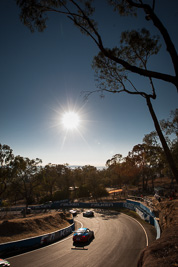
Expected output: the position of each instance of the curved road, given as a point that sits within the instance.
(118, 241)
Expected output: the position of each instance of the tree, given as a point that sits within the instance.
(6, 159)
(147, 159)
(123, 171)
(115, 167)
(170, 128)
(49, 179)
(130, 171)
(113, 65)
(26, 177)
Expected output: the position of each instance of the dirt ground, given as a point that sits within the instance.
(164, 251)
(21, 228)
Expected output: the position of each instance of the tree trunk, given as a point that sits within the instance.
(163, 141)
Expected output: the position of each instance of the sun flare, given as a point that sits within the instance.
(70, 120)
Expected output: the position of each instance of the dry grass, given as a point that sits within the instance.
(21, 228)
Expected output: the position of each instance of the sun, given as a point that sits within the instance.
(70, 120)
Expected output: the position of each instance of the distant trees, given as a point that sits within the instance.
(25, 179)
(146, 161)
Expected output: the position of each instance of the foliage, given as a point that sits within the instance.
(136, 47)
(25, 177)
(34, 14)
(145, 161)
(6, 158)
(170, 128)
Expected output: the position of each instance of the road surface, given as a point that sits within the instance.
(118, 241)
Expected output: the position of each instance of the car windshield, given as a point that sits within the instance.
(81, 231)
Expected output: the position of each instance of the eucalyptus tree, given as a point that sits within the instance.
(170, 125)
(123, 171)
(114, 66)
(130, 171)
(55, 182)
(49, 180)
(93, 184)
(148, 160)
(26, 177)
(114, 168)
(6, 159)
(170, 128)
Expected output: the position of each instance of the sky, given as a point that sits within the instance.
(44, 75)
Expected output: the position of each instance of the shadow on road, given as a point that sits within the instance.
(108, 214)
(82, 246)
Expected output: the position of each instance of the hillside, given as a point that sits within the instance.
(21, 228)
(164, 251)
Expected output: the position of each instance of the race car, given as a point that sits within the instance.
(73, 212)
(4, 263)
(83, 235)
(88, 213)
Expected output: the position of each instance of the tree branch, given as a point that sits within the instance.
(158, 24)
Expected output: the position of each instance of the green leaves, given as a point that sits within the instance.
(123, 7)
(135, 48)
(6, 155)
(138, 46)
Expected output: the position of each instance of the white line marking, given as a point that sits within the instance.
(80, 223)
(141, 226)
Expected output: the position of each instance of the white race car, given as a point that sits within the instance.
(4, 263)
(88, 213)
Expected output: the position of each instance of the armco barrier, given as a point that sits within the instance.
(140, 205)
(145, 213)
(158, 231)
(86, 205)
(19, 246)
(16, 247)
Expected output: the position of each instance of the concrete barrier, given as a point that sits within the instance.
(11, 248)
(31, 243)
(145, 213)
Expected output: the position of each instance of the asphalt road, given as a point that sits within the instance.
(118, 241)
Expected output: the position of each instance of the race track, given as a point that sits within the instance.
(118, 241)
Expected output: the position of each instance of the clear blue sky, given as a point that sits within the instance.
(42, 76)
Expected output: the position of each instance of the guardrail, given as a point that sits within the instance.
(31, 243)
(145, 213)
(15, 247)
